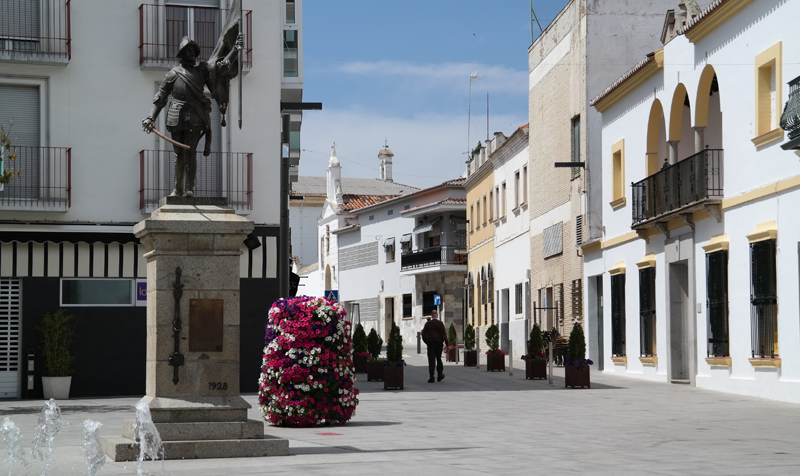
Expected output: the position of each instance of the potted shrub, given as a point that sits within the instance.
(375, 365)
(57, 333)
(470, 354)
(495, 358)
(576, 365)
(452, 340)
(360, 354)
(535, 360)
(393, 371)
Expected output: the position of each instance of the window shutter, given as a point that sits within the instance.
(578, 230)
(20, 19)
(553, 242)
(194, 3)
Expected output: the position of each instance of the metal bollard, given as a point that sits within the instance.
(510, 358)
(550, 370)
(478, 354)
(419, 342)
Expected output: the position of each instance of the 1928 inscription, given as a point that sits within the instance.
(218, 385)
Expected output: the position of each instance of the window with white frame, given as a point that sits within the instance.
(503, 186)
(525, 184)
(517, 194)
(97, 292)
(388, 247)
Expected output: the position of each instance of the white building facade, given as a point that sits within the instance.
(696, 278)
(77, 78)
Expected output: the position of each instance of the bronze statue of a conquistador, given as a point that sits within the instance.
(189, 112)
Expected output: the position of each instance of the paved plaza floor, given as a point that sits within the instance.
(480, 423)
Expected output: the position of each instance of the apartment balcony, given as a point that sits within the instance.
(37, 32)
(221, 174)
(434, 259)
(677, 191)
(45, 181)
(161, 28)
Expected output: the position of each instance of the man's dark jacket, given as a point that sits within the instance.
(434, 331)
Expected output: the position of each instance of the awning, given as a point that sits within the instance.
(389, 242)
(427, 226)
(405, 238)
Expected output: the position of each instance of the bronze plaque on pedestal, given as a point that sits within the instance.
(205, 325)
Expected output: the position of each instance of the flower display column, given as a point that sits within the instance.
(307, 372)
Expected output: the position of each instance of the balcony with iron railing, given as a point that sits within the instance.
(35, 31)
(433, 258)
(677, 190)
(161, 28)
(221, 174)
(44, 183)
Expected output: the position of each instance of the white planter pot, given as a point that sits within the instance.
(56, 387)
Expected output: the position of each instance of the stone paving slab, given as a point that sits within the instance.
(479, 423)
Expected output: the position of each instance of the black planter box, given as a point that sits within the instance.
(577, 378)
(375, 370)
(470, 358)
(495, 362)
(360, 364)
(393, 377)
(451, 355)
(535, 369)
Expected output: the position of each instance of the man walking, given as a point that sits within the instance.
(434, 335)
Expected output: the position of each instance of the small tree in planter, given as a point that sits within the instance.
(535, 360)
(393, 372)
(57, 334)
(495, 358)
(452, 343)
(375, 365)
(470, 354)
(576, 365)
(360, 353)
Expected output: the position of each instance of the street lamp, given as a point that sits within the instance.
(283, 241)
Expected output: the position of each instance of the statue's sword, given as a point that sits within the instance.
(173, 142)
(241, 12)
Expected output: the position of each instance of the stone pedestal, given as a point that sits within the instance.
(198, 410)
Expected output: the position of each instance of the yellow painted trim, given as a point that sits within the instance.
(619, 360)
(676, 112)
(764, 231)
(649, 261)
(620, 239)
(632, 82)
(716, 18)
(719, 361)
(653, 131)
(702, 99)
(618, 203)
(771, 57)
(717, 243)
(649, 360)
(618, 174)
(771, 189)
(771, 136)
(592, 247)
(619, 268)
(769, 363)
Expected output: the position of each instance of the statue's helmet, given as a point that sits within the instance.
(186, 43)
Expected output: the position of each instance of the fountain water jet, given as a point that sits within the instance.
(12, 437)
(92, 451)
(47, 429)
(146, 434)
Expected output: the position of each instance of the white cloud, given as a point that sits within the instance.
(497, 79)
(427, 148)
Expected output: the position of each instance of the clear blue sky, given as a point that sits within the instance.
(400, 71)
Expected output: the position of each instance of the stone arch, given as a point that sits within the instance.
(701, 103)
(676, 112)
(656, 139)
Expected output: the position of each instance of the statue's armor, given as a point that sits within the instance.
(189, 109)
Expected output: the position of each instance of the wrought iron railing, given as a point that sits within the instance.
(618, 315)
(647, 312)
(35, 31)
(695, 178)
(763, 300)
(161, 28)
(435, 256)
(717, 289)
(221, 174)
(44, 183)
